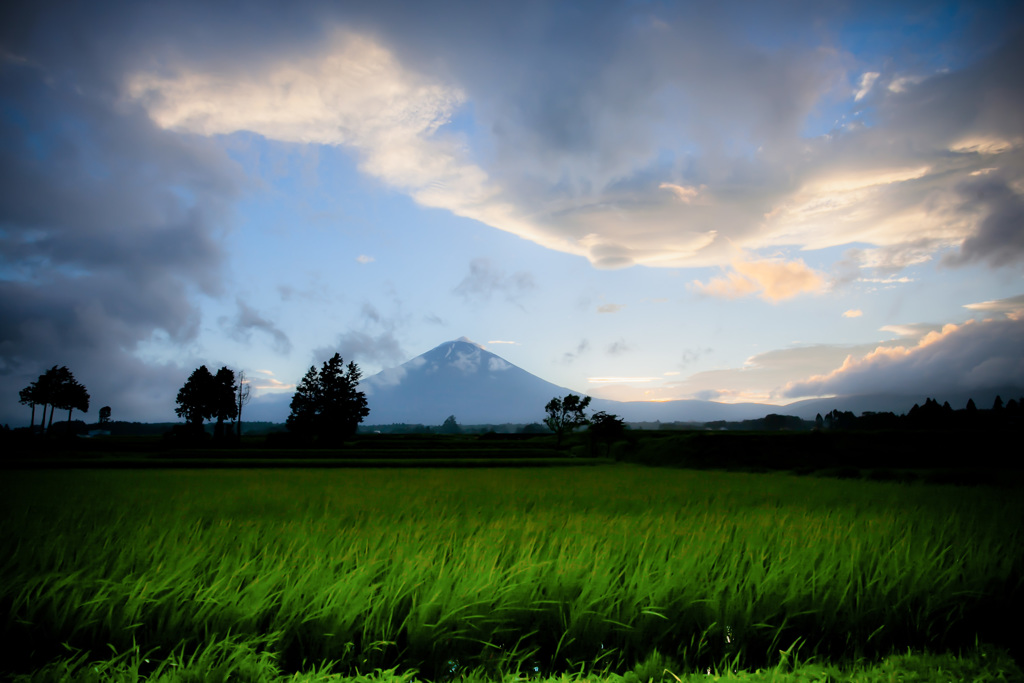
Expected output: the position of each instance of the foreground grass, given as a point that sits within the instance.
(218, 664)
(268, 574)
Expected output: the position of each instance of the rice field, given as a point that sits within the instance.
(522, 572)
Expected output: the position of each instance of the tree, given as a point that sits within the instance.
(206, 396)
(222, 397)
(243, 400)
(607, 428)
(104, 414)
(565, 415)
(193, 399)
(326, 405)
(55, 388)
(29, 396)
(71, 396)
(450, 426)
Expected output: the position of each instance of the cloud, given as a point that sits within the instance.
(610, 308)
(691, 356)
(364, 348)
(853, 313)
(655, 136)
(497, 365)
(485, 279)
(364, 259)
(265, 380)
(867, 81)
(467, 361)
(621, 380)
(775, 280)
(967, 357)
(683, 194)
(997, 212)
(248, 320)
(569, 356)
(1012, 307)
(110, 228)
(618, 347)
(497, 341)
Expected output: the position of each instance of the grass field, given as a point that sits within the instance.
(604, 570)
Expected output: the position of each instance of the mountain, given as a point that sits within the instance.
(464, 379)
(457, 378)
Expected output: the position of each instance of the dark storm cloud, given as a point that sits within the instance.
(107, 224)
(977, 355)
(999, 236)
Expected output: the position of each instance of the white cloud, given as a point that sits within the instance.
(466, 361)
(364, 259)
(853, 313)
(497, 365)
(903, 83)
(867, 81)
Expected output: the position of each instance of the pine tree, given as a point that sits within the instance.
(326, 405)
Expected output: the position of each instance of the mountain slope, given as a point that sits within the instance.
(457, 378)
(463, 379)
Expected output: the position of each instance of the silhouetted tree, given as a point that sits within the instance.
(565, 415)
(222, 396)
(71, 396)
(194, 404)
(29, 396)
(206, 396)
(243, 400)
(104, 414)
(326, 404)
(55, 388)
(607, 428)
(450, 426)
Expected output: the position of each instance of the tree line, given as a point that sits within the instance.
(930, 416)
(56, 389)
(326, 408)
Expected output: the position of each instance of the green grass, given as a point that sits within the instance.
(536, 571)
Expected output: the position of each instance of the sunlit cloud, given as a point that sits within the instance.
(683, 193)
(954, 359)
(268, 384)
(499, 341)
(985, 145)
(364, 259)
(774, 280)
(853, 313)
(622, 380)
(1012, 307)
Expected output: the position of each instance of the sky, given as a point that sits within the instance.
(731, 201)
